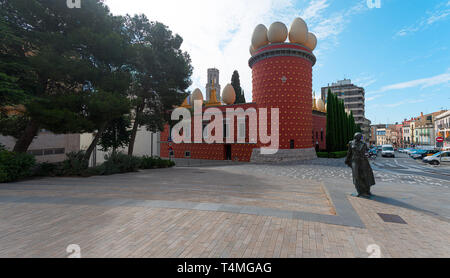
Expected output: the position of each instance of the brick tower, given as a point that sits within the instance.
(282, 78)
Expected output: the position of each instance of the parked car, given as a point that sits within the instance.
(401, 150)
(423, 153)
(412, 152)
(440, 157)
(387, 151)
(417, 154)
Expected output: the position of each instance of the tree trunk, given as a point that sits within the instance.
(92, 146)
(25, 140)
(139, 110)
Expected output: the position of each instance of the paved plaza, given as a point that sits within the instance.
(297, 209)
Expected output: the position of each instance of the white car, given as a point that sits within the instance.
(442, 157)
(387, 150)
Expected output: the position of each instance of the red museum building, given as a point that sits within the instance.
(282, 78)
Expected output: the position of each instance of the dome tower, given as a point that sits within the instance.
(282, 78)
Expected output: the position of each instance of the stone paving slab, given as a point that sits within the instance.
(185, 185)
(106, 218)
(342, 219)
(103, 231)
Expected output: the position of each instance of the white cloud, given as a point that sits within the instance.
(422, 83)
(365, 80)
(218, 33)
(439, 13)
(392, 105)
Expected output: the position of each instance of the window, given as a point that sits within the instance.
(321, 136)
(241, 128)
(36, 152)
(60, 151)
(44, 152)
(187, 154)
(317, 135)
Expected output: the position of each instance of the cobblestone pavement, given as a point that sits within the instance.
(321, 169)
(221, 211)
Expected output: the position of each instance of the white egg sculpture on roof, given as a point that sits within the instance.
(229, 94)
(320, 105)
(252, 50)
(259, 38)
(312, 41)
(277, 33)
(298, 32)
(196, 95)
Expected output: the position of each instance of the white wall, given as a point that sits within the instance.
(147, 143)
(45, 143)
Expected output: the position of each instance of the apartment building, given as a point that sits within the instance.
(442, 129)
(354, 100)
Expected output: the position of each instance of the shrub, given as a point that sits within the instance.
(118, 163)
(332, 154)
(46, 169)
(14, 166)
(75, 164)
(148, 162)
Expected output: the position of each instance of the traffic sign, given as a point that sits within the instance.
(439, 139)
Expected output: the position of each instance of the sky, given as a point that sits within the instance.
(398, 51)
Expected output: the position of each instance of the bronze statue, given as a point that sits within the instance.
(363, 177)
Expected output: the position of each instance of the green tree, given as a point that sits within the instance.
(116, 135)
(340, 126)
(352, 125)
(161, 74)
(330, 137)
(236, 83)
(62, 51)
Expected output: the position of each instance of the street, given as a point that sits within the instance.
(403, 164)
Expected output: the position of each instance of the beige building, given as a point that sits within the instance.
(424, 132)
(49, 147)
(382, 136)
(442, 129)
(354, 100)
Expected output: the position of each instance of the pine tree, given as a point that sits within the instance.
(161, 74)
(59, 52)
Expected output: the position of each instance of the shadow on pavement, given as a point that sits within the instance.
(394, 202)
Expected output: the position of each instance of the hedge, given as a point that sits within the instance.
(332, 154)
(15, 166)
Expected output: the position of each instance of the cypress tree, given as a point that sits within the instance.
(236, 83)
(349, 128)
(342, 134)
(336, 123)
(345, 129)
(330, 131)
(352, 125)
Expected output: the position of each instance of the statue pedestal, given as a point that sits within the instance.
(364, 197)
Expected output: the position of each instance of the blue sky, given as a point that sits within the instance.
(399, 52)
